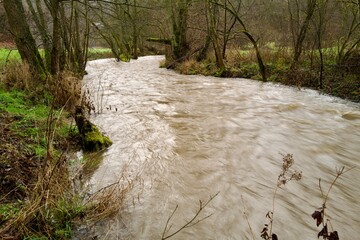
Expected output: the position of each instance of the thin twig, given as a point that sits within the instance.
(192, 221)
(247, 217)
(167, 222)
(322, 193)
(339, 173)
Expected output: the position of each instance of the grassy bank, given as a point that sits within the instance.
(36, 200)
(37, 175)
(338, 80)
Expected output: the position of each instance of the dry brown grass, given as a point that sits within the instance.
(66, 89)
(186, 66)
(108, 201)
(17, 76)
(236, 57)
(49, 204)
(189, 67)
(39, 211)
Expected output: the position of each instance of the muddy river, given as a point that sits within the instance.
(183, 139)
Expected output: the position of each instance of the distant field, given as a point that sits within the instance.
(97, 53)
(8, 55)
(99, 50)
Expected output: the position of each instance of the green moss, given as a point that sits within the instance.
(124, 58)
(94, 140)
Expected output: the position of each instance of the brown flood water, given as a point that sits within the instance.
(189, 137)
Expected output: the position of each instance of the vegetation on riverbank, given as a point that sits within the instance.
(12, 54)
(337, 80)
(38, 134)
(36, 199)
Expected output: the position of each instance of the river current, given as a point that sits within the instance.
(186, 138)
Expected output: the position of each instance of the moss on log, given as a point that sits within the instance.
(92, 139)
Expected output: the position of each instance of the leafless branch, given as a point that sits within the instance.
(189, 223)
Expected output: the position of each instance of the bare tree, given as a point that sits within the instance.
(234, 11)
(63, 28)
(320, 27)
(212, 8)
(299, 27)
(39, 18)
(228, 26)
(350, 40)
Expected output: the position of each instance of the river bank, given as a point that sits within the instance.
(37, 200)
(38, 169)
(337, 80)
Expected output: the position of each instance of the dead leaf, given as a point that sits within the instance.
(323, 232)
(334, 236)
(318, 216)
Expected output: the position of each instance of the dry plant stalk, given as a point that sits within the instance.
(287, 174)
(50, 187)
(108, 200)
(321, 215)
(192, 222)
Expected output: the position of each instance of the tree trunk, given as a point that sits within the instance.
(135, 38)
(23, 38)
(212, 15)
(258, 56)
(55, 52)
(41, 26)
(205, 48)
(311, 4)
(179, 28)
(135, 31)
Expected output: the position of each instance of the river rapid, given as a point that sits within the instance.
(186, 138)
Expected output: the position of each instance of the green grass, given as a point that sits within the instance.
(13, 54)
(8, 54)
(31, 120)
(25, 123)
(99, 50)
(9, 210)
(98, 53)
(15, 103)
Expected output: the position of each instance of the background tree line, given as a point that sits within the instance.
(315, 35)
